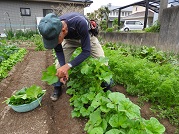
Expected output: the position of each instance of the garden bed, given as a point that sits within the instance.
(51, 117)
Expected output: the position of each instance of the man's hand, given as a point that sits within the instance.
(63, 80)
(62, 73)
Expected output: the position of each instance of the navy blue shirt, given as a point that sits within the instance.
(77, 29)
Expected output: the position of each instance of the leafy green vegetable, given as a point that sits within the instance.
(6, 65)
(97, 130)
(25, 95)
(114, 131)
(153, 126)
(33, 91)
(50, 75)
(108, 112)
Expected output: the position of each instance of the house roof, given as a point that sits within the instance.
(153, 4)
(126, 9)
(139, 15)
(111, 7)
(88, 2)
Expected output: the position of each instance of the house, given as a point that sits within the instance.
(138, 13)
(114, 13)
(26, 14)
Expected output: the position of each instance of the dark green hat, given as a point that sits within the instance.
(50, 27)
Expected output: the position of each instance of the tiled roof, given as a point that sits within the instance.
(78, 1)
(111, 7)
(139, 15)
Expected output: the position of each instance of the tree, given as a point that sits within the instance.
(101, 16)
(104, 13)
(115, 22)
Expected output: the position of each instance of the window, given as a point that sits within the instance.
(25, 11)
(47, 11)
(138, 23)
(136, 9)
(130, 22)
(122, 13)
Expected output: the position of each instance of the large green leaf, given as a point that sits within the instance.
(118, 120)
(116, 97)
(49, 76)
(95, 118)
(153, 126)
(114, 131)
(86, 69)
(97, 130)
(34, 91)
(132, 111)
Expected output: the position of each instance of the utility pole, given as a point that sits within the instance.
(119, 18)
(163, 5)
(146, 13)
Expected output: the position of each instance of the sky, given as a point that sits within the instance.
(98, 3)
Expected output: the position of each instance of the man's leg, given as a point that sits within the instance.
(57, 91)
(96, 48)
(69, 47)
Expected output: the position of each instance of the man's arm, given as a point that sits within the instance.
(62, 72)
(85, 42)
(60, 55)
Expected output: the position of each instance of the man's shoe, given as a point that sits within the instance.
(56, 93)
(105, 86)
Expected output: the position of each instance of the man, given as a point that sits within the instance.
(64, 34)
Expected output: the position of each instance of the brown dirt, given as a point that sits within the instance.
(50, 117)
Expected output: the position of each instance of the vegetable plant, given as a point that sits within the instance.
(107, 112)
(149, 75)
(6, 65)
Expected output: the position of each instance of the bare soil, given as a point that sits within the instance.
(50, 117)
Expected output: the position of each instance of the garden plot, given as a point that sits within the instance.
(51, 117)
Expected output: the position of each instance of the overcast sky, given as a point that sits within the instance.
(98, 3)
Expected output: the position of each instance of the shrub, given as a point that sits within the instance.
(154, 28)
(109, 30)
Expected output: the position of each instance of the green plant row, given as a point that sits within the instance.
(114, 113)
(20, 35)
(37, 39)
(107, 112)
(144, 52)
(6, 51)
(7, 65)
(149, 80)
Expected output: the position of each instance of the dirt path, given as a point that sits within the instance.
(51, 117)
